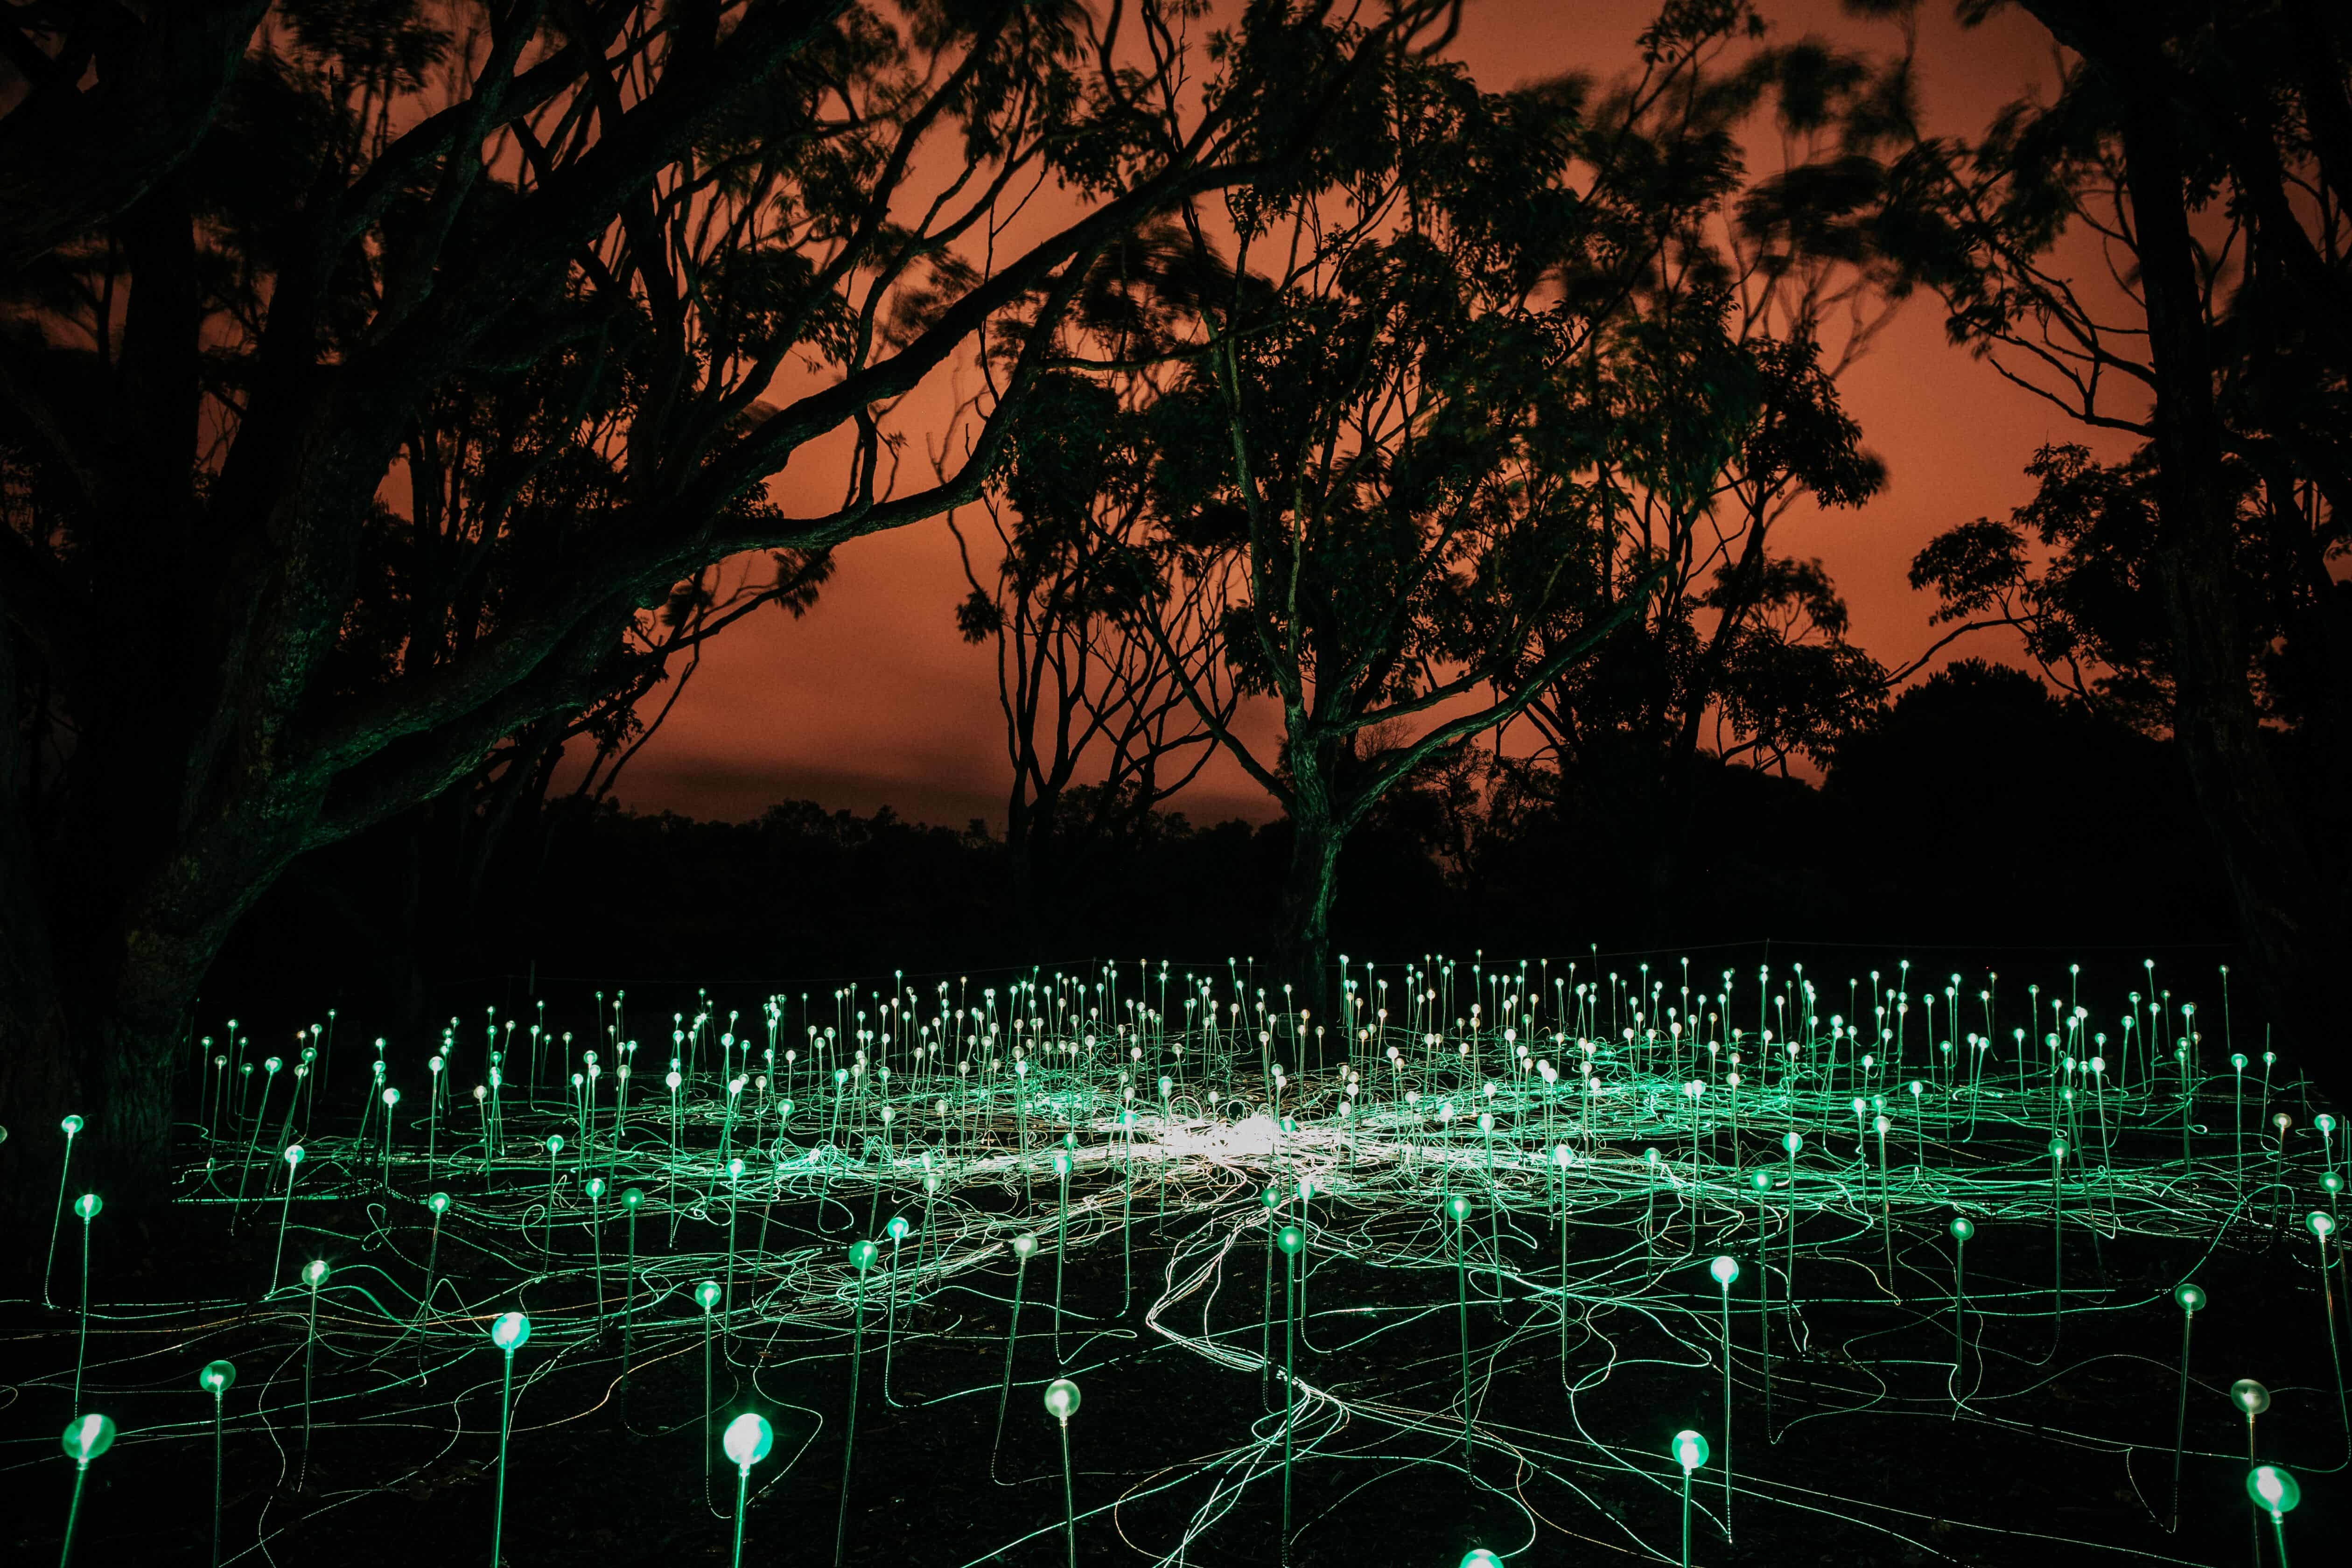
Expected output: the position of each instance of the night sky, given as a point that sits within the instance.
(874, 700)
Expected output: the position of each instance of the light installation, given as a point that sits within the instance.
(1716, 1172)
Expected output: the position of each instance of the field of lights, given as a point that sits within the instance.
(1529, 1264)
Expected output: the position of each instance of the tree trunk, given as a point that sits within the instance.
(1666, 822)
(111, 919)
(2291, 924)
(1312, 880)
(101, 1039)
(34, 1094)
(1029, 861)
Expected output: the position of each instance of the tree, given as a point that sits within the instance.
(104, 101)
(1096, 622)
(2201, 162)
(1720, 377)
(2083, 596)
(1477, 435)
(497, 467)
(712, 221)
(1378, 432)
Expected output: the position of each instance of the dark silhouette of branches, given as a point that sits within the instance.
(420, 352)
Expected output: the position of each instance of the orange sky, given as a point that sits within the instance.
(873, 699)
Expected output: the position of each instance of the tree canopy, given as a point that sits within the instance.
(397, 385)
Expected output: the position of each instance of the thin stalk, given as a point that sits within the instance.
(849, 1429)
(506, 1430)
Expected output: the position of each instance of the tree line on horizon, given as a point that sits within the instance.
(2058, 835)
(392, 389)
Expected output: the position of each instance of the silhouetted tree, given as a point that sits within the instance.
(1721, 378)
(1509, 413)
(711, 224)
(2199, 160)
(2081, 594)
(1096, 622)
(1375, 432)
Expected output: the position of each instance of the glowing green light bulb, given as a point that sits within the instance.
(706, 1294)
(2274, 1489)
(1023, 1245)
(1962, 1227)
(2250, 1397)
(87, 1206)
(510, 1332)
(632, 1197)
(862, 1255)
(1290, 1238)
(1062, 1399)
(747, 1439)
(595, 1187)
(2057, 1148)
(438, 1203)
(555, 1142)
(88, 1436)
(216, 1377)
(1760, 1180)
(2318, 1223)
(897, 1229)
(2190, 1297)
(1794, 1141)
(1690, 1450)
(315, 1272)
(1479, 1557)
(1457, 1208)
(1725, 1268)
(71, 1125)
(1060, 1164)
